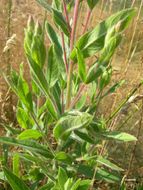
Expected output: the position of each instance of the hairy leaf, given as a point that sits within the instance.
(69, 123)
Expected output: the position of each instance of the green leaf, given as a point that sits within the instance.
(62, 178)
(85, 170)
(76, 185)
(53, 36)
(103, 174)
(84, 136)
(28, 145)
(39, 161)
(100, 66)
(23, 118)
(108, 164)
(44, 4)
(93, 41)
(84, 185)
(60, 21)
(109, 49)
(94, 72)
(63, 157)
(57, 4)
(81, 65)
(105, 78)
(15, 182)
(42, 83)
(29, 134)
(47, 186)
(38, 50)
(16, 164)
(69, 123)
(55, 66)
(21, 88)
(92, 3)
(120, 136)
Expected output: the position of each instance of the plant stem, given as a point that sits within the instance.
(64, 52)
(86, 22)
(66, 14)
(72, 37)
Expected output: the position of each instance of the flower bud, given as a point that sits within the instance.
(118, 26)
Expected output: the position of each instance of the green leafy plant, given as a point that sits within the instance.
(60, 131)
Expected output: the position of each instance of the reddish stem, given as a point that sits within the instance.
(75, 16)
(72, 37)
(66, 14)
(87, 20)
(64, 52)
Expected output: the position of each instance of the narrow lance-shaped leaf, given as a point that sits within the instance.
(16, 164)
(62, 177)
(100, 66)
(57, 4)
(93, 41)
(103, 174)
(55, 66)
(81, 65)
(21, 88)
(53, 36)
(38, 51)
(60, 21)
(108, 163)
(44, 4)
(15, 182)
(29, 145)
(42, 83)
(120, 136)
(92, 3)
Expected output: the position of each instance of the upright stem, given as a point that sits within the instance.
(66, 14)
(70, 71)
(87, 20)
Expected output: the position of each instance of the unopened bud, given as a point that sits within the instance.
(110, 33)
(118, 26)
